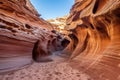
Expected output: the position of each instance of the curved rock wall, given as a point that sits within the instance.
(94, 46)
(20, 29)
(96, 24)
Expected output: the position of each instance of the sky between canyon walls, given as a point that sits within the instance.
(50, 9)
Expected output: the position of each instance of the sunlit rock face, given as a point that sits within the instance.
(24, 36)
(95, 42)
(59, 24)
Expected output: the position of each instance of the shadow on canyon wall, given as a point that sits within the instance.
(93, 46)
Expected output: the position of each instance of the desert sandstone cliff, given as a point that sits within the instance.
(95, 38)
(24, 36)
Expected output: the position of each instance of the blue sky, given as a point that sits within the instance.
(52, 8)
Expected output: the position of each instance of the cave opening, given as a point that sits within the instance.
(74, 39)
(65, 43)
(98, 5)
(39, 54)
(34, 51)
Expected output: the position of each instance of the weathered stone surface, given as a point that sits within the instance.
(20, 29)
(60, 23)
(96, 48)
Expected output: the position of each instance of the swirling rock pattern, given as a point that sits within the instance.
(94, 45)
(20, 29)
(96, 48)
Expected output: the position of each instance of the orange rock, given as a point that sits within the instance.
(20, 29)
(96, 25)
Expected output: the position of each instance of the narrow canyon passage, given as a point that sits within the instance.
(88, 48)
(57, 69)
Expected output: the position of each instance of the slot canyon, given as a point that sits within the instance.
(87, 48)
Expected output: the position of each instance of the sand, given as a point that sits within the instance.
(58, 69)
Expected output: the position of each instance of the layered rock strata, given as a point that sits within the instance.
(20, 29)
(94, 45)
(95, 38)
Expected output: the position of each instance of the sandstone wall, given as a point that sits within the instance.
(20, 28)
(95, 26)
(94, 46)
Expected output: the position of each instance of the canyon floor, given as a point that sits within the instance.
(58, 69)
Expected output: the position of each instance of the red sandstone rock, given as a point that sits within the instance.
(96, 25)
(94, 46)
(20, 29)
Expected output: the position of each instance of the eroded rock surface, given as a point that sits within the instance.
(20, 29)
(94, 45)
(60, 23)
(95, 48)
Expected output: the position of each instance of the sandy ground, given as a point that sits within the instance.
(58, 69)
